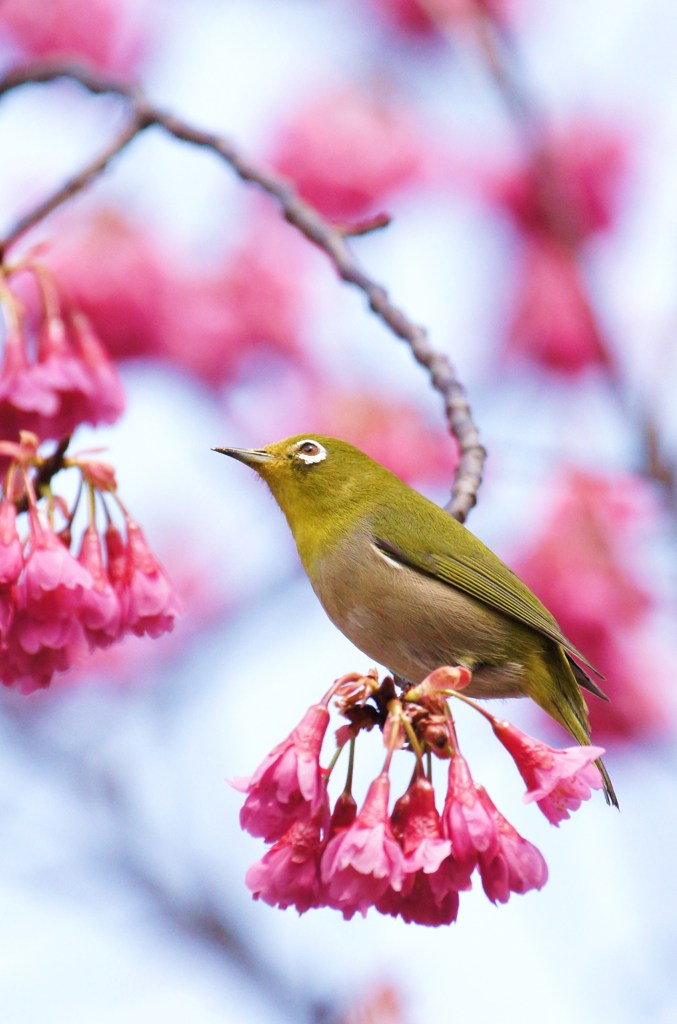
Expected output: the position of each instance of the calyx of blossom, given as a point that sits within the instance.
(558, 780)
(447, 677)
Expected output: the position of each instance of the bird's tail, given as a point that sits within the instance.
(562, 700)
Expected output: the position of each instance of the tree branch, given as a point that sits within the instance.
(328, 237)
(72, 185)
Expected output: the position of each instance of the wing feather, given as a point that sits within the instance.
(487, 579)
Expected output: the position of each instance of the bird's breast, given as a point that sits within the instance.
(410, 622)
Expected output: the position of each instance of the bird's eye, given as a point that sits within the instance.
(310, 451)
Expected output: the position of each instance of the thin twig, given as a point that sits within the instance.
(530, 125)
(73, 185)
(52, 465)
(328, 237)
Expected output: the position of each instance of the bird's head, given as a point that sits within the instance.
(314, 478)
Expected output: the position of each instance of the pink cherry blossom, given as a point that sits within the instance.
(45, 634)
(423, 17)
(348, 150)
(581, 566)
(466, 821)
(552, 322)
(100, 609)
(116, 273)
(429, 894)
(289, 784)
(106, 34)
(56, 376)
(421, 902)
(515, 865)
(11, 552)
(26, 394)
(558, 780)
(569, 187)
(288, 875)
(53, 580)
(363, 860)
(148, 601)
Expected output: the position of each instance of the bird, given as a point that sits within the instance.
(413, 588)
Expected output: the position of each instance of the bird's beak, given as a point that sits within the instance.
(248, 455)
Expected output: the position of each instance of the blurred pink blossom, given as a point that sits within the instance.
(108, 35)
(581, 567)
(113, 270)
(348, 150)
(569, 189)
(245, 307)
(551, 321)
(144, 299)
(428, 16)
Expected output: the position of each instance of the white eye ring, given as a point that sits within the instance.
(319, 455)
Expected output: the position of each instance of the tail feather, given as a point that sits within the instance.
(564, 702)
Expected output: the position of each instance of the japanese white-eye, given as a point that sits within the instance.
(413, 588)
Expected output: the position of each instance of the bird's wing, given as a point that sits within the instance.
(482, 575)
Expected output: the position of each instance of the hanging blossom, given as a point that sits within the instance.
(412, 861)
(56, 374)
(559, 195)
(56, 605)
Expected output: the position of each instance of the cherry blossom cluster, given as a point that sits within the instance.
(55, 374)
(559, 196)
(586, 565)
(413, 860)
(58, 601)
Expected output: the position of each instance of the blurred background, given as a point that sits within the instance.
(525, 152)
